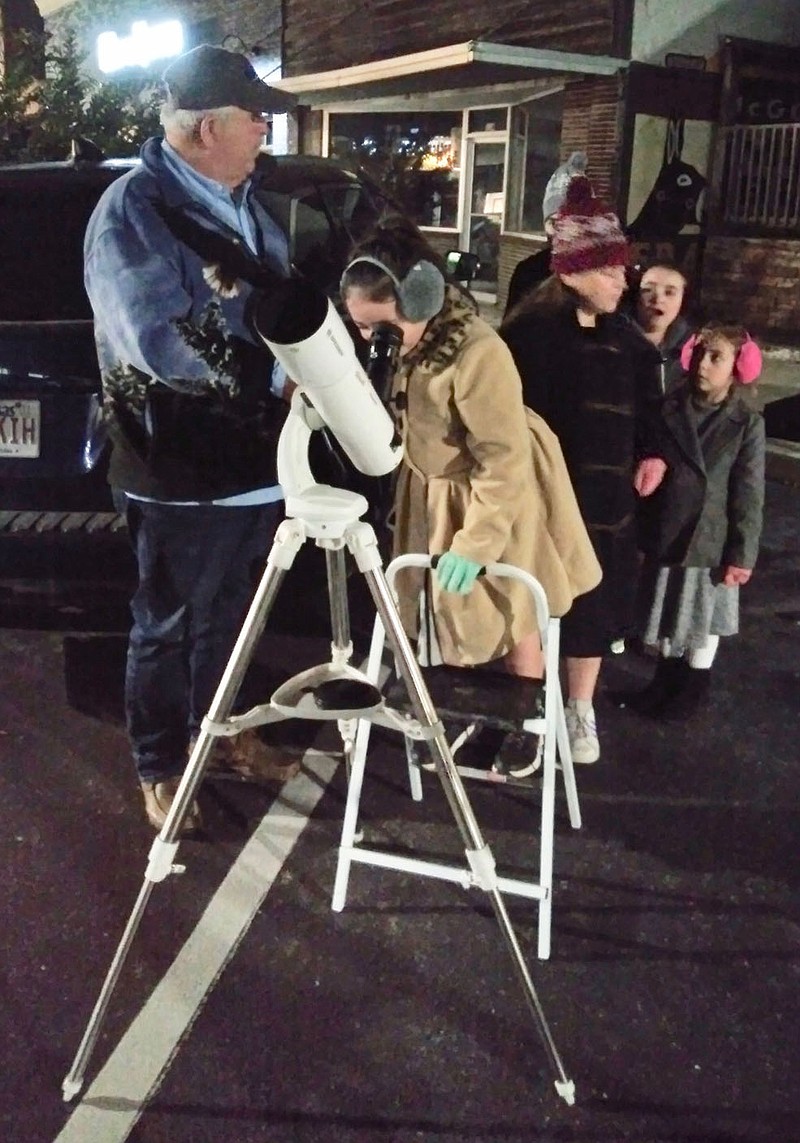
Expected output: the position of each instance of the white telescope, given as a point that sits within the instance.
(311, 342)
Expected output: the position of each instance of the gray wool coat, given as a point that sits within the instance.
(708, 511)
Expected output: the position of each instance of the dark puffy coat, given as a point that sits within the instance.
(708, 511)
(666, 357)
(597, 389)
(526, 276)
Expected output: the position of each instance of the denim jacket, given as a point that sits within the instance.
(186, 383)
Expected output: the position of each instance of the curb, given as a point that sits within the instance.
(783, 462)
(782, 352)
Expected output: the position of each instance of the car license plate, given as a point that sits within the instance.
(20, 423)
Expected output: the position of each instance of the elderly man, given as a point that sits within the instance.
(174, 251)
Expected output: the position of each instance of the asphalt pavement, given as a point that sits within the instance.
(247, 1010)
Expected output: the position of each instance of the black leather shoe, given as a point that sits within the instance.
(651, 700)
(690, 698)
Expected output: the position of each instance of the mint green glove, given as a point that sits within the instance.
(457, 573)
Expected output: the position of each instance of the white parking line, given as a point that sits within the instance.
(118, 1096)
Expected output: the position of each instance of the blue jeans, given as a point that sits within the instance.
(196, 581)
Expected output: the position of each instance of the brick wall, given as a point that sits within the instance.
(442, 242)
(512, 251)
(755, 281)
(592, 123)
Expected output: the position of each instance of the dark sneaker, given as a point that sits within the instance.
(519, 756)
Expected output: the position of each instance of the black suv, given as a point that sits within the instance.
(52, 440)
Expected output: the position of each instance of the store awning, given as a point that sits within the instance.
(469, 65)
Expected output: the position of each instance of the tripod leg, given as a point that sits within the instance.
(341, 642)
(287, 543)
(478, 854)
(337, 603)
(73, 1082)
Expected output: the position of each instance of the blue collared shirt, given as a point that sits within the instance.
(230, 206)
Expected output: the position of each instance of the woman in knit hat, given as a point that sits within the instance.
(535, 269)
(588, 373)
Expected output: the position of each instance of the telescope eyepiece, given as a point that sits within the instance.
(384, 350)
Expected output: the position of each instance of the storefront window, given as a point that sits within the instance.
(487, 119)
(416, 157)
(534, 154)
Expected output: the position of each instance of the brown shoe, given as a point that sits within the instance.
(158, 799)
(255, 760)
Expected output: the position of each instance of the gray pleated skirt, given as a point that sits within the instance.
(684, 606)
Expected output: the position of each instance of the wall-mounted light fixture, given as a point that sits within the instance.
(265, 60)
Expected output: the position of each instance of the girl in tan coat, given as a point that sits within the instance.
(483, 478)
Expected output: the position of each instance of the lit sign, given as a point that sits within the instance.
(144, 45)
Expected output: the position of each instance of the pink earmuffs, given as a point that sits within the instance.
(747, 365)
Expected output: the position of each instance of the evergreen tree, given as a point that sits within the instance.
(47, 100)
(20, 92)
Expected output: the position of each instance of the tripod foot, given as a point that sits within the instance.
(70, 1088)
(566, 1089)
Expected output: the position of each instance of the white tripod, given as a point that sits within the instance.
(333, 691)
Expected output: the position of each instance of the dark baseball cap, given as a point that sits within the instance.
(209, 77)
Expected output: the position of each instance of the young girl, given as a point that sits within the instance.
(659, 304)
(702, 526)
(482, 478)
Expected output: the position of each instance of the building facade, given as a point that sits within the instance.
(689, 113)
(713, 99)
(464, 111)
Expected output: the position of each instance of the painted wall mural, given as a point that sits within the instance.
(666, 197)
(671, 203)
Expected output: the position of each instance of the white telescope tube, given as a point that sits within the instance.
(311, 342)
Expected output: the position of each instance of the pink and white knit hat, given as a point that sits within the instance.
(586, 234)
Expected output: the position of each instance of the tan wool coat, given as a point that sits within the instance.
(484, 476)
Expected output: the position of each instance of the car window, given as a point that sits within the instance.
(41, 252)
(309, 229)
(322, 224)
(358, 207)
(41, 239)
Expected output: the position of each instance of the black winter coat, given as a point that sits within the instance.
(666, 357)
(526, 276)
(598, 391)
